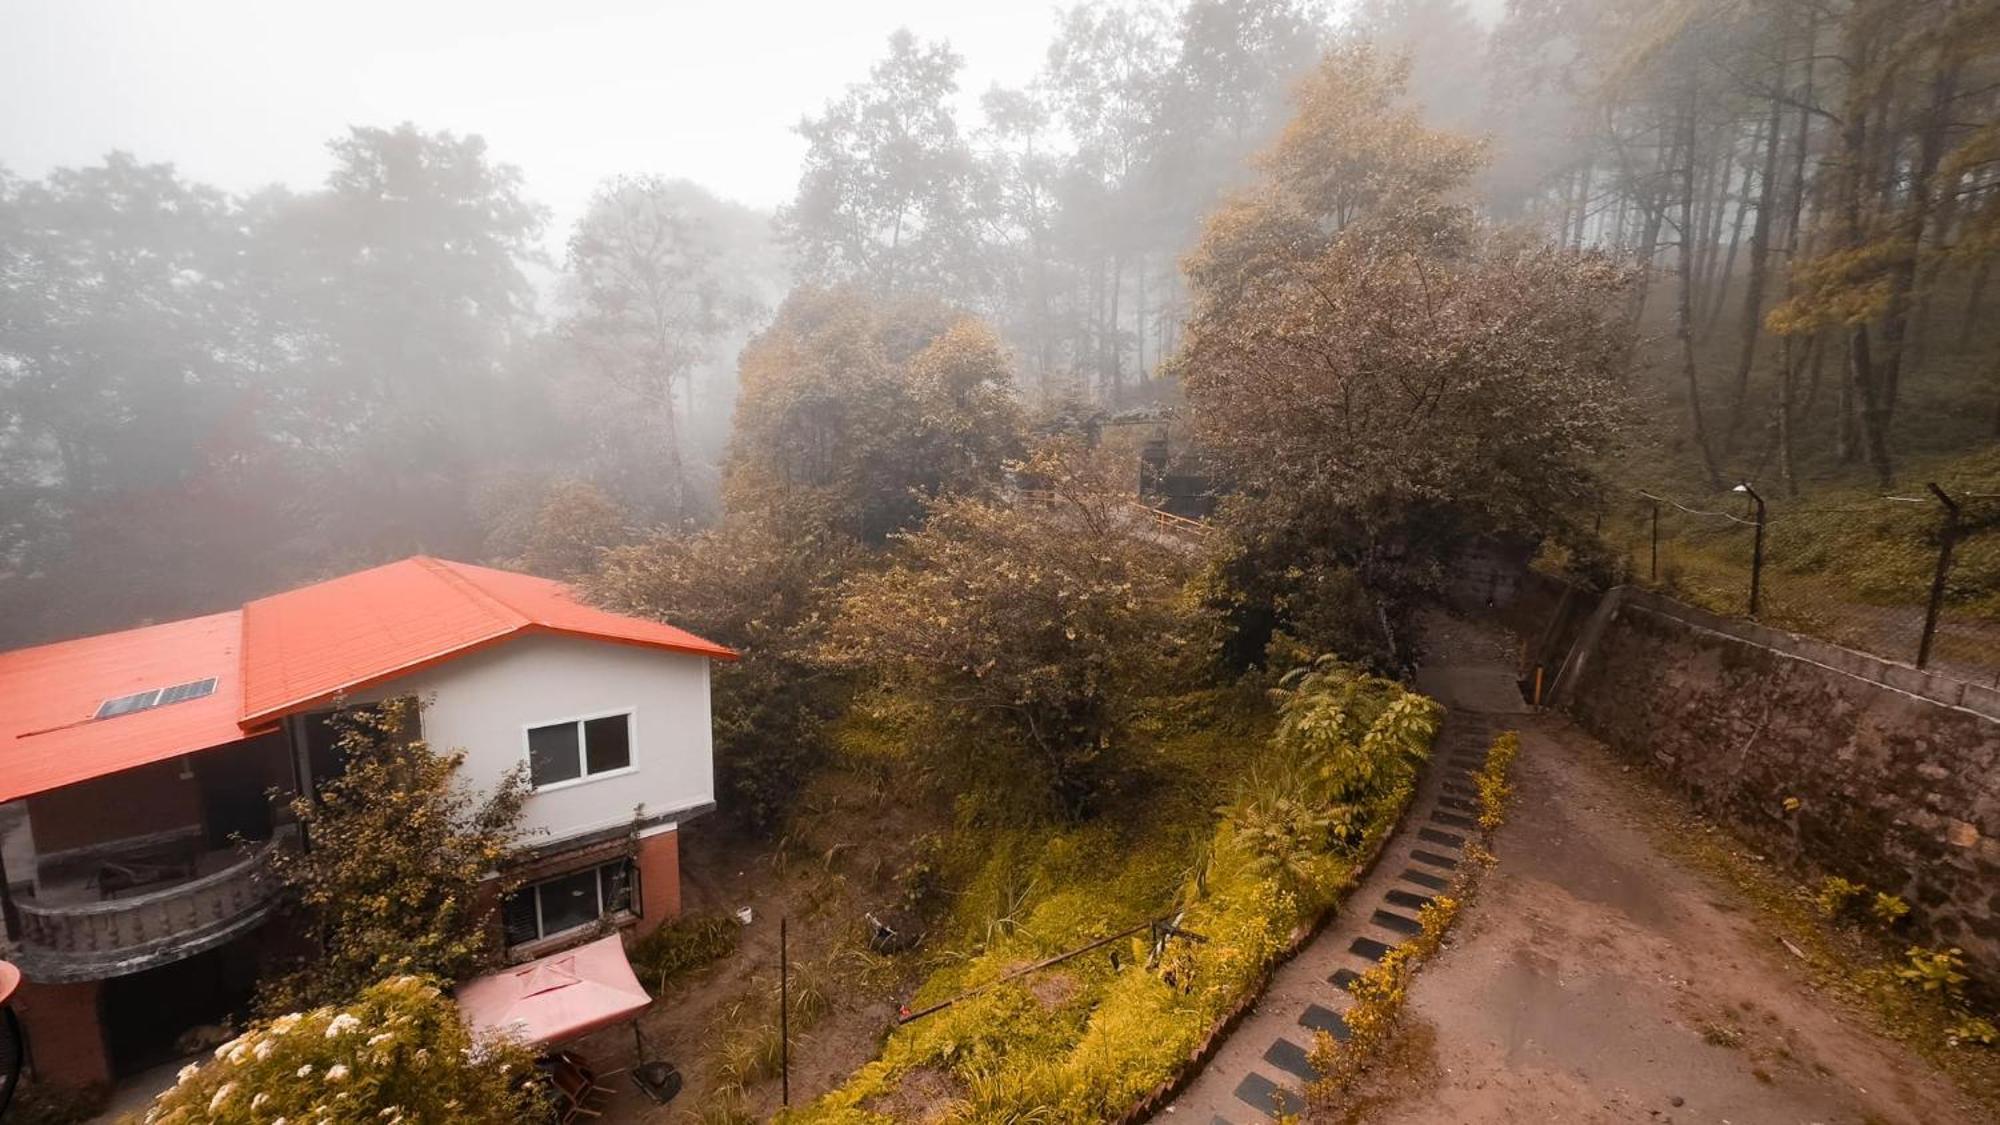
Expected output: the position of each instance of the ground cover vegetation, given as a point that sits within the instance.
(1314, 776)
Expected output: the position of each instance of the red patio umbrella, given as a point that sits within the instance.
(562, 996)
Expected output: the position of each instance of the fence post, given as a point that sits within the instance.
(1756, 550)
(1656, 542)
(1947, 539)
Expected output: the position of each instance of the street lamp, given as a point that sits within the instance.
(1757, 551)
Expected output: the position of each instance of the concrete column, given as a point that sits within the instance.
(659, 864)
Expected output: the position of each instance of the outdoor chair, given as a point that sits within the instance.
(575, 1085)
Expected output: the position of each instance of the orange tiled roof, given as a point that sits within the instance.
(277, 656)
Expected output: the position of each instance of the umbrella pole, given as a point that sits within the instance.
(784, 1014)
(638, 1043)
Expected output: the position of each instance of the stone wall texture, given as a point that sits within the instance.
(1895, 774)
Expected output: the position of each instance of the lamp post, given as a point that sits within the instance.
(1757, 550)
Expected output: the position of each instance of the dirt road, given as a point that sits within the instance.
(1596, 980)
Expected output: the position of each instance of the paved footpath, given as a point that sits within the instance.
(1262, 1066)
(1592, 980)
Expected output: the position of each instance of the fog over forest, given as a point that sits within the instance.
(220, 376)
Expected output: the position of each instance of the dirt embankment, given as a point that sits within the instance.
(841, 861)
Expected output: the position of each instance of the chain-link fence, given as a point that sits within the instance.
(1913, 577)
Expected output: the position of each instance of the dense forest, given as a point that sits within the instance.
(246, 391)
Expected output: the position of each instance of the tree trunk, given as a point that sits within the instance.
(1916, 214)
(1113, 350)
(1760, 248)
(1139, 321)
(1858, 145)
(1869, 398)
(1708, 223)
(1582, 203)
(1720, 292)
(1655, 206)
(1973, 296)
(1684, 327)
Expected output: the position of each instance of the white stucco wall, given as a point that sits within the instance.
(485, 702)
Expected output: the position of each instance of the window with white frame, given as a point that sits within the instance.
(566, 751)
(569, 902)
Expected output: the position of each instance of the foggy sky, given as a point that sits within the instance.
(243, 93)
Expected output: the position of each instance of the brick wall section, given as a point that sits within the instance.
(659, 862)
(65, 1037)
(1896, 773)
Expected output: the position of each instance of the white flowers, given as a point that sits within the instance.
(305, 1070)
(262, 1050)
(187, 1074)
(258, 1101)
(380, 1038)
(336, 1072)
(221, 1095)
(285, 1023)
(341, 1025)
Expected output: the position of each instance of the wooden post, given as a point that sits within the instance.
(1656, 542)
(1947, 538)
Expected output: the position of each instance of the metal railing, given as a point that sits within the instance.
(1913, 578)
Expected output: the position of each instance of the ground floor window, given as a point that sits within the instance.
(549, 907)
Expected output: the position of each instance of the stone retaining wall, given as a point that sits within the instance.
(1895, 773)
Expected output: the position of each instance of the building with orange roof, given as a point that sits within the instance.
(137, 771)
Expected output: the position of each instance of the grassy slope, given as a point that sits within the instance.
(1841, 561)
(1082, 1040)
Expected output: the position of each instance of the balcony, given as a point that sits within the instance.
(109, 927)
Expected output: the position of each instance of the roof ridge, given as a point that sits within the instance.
(449, 571)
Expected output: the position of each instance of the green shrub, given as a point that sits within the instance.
(681, 946)
(1492, 779)
(1837, 895)
(1934, 970)
(1889, 909)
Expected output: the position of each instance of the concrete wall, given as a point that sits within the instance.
(484, 703)
(1896, 773)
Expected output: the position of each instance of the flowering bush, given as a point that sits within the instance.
(399, 1052)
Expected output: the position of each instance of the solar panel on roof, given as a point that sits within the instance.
(194, 689)
(156, 697)
(126, 704)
